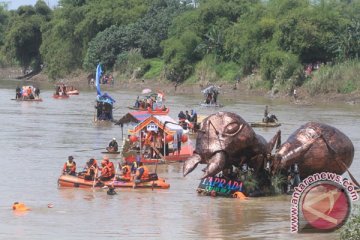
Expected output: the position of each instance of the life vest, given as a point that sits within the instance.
(105, 172)
(70, 166)
(126, 172)
(17, 206)
(108, 170)
(145, 174)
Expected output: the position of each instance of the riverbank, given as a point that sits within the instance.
(230, 90)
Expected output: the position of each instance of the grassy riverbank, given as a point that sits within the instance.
(337, 83)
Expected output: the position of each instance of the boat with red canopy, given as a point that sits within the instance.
(155, 139)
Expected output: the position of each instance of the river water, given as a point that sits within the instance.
(36, 139)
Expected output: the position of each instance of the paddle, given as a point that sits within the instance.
(84, 150)
(95, 176)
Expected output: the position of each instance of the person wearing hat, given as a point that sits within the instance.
(70, 166)
(113, 146)
(107, 169)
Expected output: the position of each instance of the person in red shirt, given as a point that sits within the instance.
(70, 166)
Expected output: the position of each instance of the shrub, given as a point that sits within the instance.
(278, 64)
(340, 78)
(156, 68)
(351, 229)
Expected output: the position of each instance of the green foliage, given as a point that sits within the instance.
(340, 78)
(24, 37)
(156, 68)
(61, 50)
(179, 57)
(351, 229)
(4, 16)
(228, 71)
(346, 43)
(132, 64)
(215, 40)
(277, 183)
(153, 27)
(205, 71)
(278, 64)
(107, 45)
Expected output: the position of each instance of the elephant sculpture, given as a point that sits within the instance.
(225, 139)
(315, 147)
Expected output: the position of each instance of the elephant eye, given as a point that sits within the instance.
(232, 128)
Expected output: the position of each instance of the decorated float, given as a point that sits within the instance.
(104, 103)
(153, 103)
(154, 139)
(211, 96)
(27, 93)
(226, 141)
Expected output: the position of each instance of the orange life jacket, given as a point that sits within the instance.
(108, 170)
(126, 172)
(145, 175)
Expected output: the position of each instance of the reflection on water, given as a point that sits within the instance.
(36, 139)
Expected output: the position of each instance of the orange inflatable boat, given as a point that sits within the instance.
(73, 181)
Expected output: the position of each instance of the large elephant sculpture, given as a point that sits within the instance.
(315, 147)
(225, 139)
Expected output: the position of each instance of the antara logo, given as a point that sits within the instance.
(321, 203)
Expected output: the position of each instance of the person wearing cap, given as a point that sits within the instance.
(70, 166)
(113, 146)
(107, 169)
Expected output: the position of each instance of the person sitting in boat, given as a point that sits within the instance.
(113, 146)
(137, 103)
(91, 169)
(136, 163)
(188, 117)
(18, 92)
(70, 166)
(269, 118)
(63, 90)
(142, 173)
(125, 172)
(107, 169)
(30, 93)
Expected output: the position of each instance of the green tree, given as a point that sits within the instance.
(154, 26)
(179, 56)
(108, 44)
(24, 37)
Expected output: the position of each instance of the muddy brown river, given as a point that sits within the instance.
(36, 139)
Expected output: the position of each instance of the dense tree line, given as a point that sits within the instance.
(199, 40)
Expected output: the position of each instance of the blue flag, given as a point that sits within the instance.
(98, 75)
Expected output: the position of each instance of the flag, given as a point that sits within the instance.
(98, 75)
